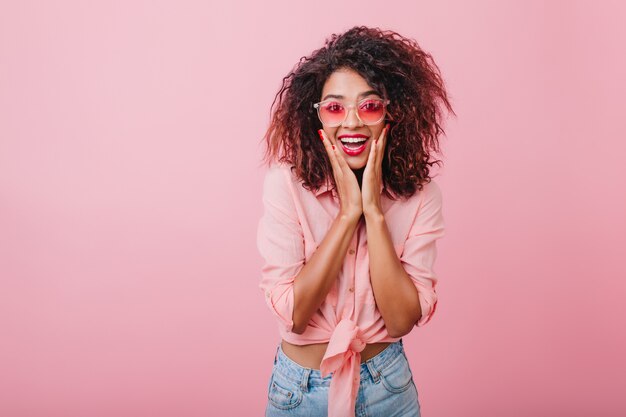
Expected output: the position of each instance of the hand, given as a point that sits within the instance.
(347, 185)
(373, 175)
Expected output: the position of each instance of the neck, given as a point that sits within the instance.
(359, 175)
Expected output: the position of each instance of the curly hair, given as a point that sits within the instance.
(392, 64)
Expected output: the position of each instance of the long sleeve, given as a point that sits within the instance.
(280, 242)
(420, 249)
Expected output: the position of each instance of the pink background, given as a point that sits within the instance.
(130, 191)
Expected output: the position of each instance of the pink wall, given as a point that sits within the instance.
(130, 193)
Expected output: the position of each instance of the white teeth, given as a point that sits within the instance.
(353, 140)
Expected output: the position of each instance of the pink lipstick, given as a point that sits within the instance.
(353, 144)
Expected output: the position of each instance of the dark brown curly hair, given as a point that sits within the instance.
(392, 64)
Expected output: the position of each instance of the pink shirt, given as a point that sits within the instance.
(293, 225)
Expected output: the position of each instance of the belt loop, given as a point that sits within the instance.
(276, 354)
(304, 384)
(373, 371)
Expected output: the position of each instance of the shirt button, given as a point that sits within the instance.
(351, 251)
(351, 289)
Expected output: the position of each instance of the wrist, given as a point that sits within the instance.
(350, 216)
(373, 214)
(372, 210)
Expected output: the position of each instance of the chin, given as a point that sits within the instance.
(356, 167)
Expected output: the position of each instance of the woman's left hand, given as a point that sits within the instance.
(373, 175)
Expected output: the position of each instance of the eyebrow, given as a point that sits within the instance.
(366, 93)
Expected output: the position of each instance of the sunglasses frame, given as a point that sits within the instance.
(350, 107)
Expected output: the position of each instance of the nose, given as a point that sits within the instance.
(352, 119)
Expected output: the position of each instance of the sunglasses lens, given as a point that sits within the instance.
(332, 113)
(371, 111)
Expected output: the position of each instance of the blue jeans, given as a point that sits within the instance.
(386, 389)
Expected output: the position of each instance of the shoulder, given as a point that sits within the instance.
(420, 205)
(278, 182)
(278, 171)
(428, 200)
(431, 192)
(277, 175)
(431, 201)
(282, 176)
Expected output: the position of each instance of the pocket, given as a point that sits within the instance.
(284, 393)
(397, 377)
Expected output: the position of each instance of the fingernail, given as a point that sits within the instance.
(387, 127)
(333, 147)
(319, 132)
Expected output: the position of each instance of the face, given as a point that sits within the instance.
(349, 87)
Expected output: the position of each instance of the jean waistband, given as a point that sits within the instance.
(371, 368)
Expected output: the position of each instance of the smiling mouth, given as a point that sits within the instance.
(353, 146)
(353, 143)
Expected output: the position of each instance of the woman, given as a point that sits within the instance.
(350, 223)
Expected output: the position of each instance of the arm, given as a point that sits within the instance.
(293, 289)
(398, 302)
(420, 249)
(395, 294)
(318, 275)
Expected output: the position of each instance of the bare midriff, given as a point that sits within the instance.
(310, 356)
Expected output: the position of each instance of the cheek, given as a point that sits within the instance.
(331, 133)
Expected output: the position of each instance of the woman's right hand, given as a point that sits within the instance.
(350, 200)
